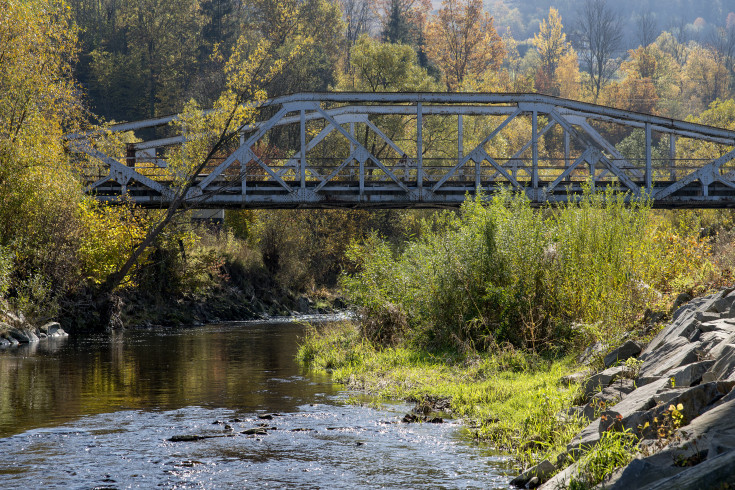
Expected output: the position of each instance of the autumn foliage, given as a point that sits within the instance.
(462, 40)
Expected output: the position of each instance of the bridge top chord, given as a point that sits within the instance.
(399, 150)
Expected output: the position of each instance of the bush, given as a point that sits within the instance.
(500, 271)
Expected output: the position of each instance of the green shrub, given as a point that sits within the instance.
(501, 271)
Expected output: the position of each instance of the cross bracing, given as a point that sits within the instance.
(398, 150)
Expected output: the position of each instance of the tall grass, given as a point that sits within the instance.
(502, 272)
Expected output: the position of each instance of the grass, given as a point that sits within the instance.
(506, 396)
(615, 449)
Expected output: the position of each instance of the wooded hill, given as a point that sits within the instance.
(522, 17)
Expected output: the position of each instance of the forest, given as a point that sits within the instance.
(73, 66)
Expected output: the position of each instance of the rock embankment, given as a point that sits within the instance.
(16, 330)
(678, 399)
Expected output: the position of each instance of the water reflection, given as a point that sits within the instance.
(101, 412)
(233, 366)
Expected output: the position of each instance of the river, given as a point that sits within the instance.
(99, 412)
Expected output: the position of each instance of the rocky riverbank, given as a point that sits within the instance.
(16, 330)
(674, 399)
(138, 308)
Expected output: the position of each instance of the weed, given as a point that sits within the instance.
(614, 450)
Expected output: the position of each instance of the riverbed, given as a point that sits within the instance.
(100, 412)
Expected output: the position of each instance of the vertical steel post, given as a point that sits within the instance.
(352, 149)
(672, 157)
(352, 133)
(534, 144)
(243, 169)
(460, 138)
(303, 149)
(419, 147)
(649, 179)
(362, 177)
(567, 162)
(244, 159)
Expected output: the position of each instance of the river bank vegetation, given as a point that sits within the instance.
(77, 66)
(488, 306)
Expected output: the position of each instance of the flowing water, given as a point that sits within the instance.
(99, 412)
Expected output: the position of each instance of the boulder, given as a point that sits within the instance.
(541, 472)
(710, 340)
(598, 382)
(600, 402)
(303, 304)
(680, 300)
(639, 473)
(591, 352)
(640, 400)
(724, 304)
(679, 352)
(716, 472)
(690, 374)
(705, 317)
(4, 343)
(700, 455)
(683, 321)
(14, 319)
(53, 330)
(575, 379)
(562, 479)
(23, 336)
(724, 366)
(629, 349)
(614, 393)
(693, 400)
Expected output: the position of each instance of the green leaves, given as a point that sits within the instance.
(501, 271)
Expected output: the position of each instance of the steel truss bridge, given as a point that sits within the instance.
(400, 150)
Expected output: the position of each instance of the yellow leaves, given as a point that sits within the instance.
(37, 49)
(551, 42)
(463, 42)
(108, 237)
(567, 76)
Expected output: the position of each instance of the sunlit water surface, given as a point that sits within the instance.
(99, 412)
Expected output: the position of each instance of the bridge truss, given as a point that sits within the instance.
(395, 150)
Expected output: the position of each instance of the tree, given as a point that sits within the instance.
(599, 37)
(385, 67)
(315, 69)
(39, 192)
(143, 63)
(722, 45)
(551, 44)
(680, 35)
(255, 62)
(359, 19)
(646, 29)
(567, 76)
(462, 41)
(402, 21)
(705, 79)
